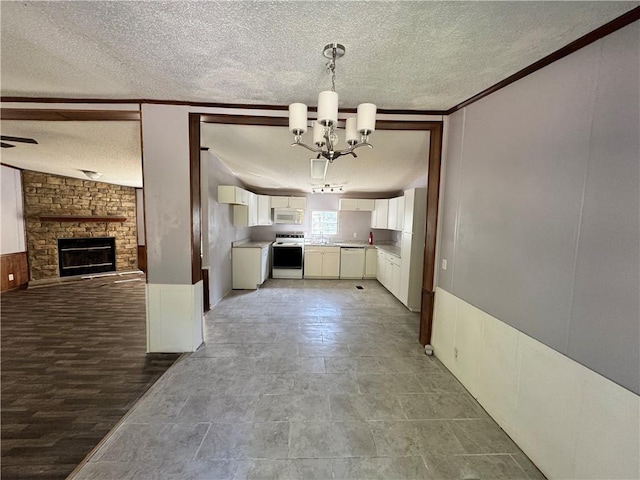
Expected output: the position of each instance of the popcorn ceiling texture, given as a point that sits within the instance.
(400, 55)
(53, 195)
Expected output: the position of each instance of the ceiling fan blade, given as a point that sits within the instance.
(19, 139)
(6, 145)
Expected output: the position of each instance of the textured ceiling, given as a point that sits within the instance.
(416, 55)
(399, 158)
(400, 55)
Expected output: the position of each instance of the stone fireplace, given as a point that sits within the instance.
(69, 208)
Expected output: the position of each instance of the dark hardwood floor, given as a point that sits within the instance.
(73, 363)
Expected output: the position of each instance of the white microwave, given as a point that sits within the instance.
(291, 216)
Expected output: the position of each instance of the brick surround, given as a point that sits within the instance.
(46, 194)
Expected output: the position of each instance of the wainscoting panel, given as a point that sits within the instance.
(174, 318)
(14, 264)
(571, 421)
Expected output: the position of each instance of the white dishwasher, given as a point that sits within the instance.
(352, 262)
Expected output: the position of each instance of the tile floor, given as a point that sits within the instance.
(309, 380)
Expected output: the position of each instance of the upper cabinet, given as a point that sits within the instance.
(264, 210)
(289, 202)
(415, 210)
(395, 218)
(379, 216)
(357, 204)
(232, 194)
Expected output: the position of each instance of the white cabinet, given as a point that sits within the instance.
(232, 194)
(289, 202)
(246, 215)
(322, 262)
(389, 272)
(264, 210)
(370, 262)
(358, 204)
(379, 217)
(249, 266)
(395, 218)
(415, 210)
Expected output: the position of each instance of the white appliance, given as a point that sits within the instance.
(352, 262)
(288, 252)
(289, 216)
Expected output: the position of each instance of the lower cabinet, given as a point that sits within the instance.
(250, 267)
(322, 262)
(370, 262)
(388, 272)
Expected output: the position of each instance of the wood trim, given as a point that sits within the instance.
(194, 177)
(243, 106)
(601, 32)
(15, 264)
(433, 195)
(57, 115)
(284, 121)
(142, 258)
(205, 288)
(81, 218)
(426, 317)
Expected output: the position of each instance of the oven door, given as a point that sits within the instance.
(287, 257)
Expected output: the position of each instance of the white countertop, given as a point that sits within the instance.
(250, 244)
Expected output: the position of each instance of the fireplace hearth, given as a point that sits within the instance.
(82, 256)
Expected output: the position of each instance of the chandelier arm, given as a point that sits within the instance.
(300, 144)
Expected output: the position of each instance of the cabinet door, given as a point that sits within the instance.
(279, 202)
(264, 210)
(253, 209)
(241, 215)
(297, 202)
(313, 264)
(331, 265)
(394, 281)
(392, 215)
(400, 218)
(370, 263)
(366, 205)
(382, 212)
(264, 266)
(348, 204)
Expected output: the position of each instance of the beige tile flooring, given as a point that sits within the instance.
(309, 380)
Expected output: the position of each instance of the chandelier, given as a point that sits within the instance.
(325, 137)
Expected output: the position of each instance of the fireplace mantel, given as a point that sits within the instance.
(82, 218)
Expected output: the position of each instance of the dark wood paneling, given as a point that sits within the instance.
(194, 174)
(142, 258)
(16, 265)
(607, 29)
(205, 285)
(68, 115)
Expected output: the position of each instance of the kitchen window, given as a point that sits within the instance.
(324, 223)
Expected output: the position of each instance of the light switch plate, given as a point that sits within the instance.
(444, 263)
(11, 277)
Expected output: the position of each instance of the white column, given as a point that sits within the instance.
(174, 302)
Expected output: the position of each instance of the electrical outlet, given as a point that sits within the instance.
(355, 234)
(11, 277)
(444, 263)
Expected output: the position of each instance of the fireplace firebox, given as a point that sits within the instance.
(82, 256)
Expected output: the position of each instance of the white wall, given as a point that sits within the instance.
(538, 311)
(349, 222)
(571, 422)
(221, 231)
(12, 236)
